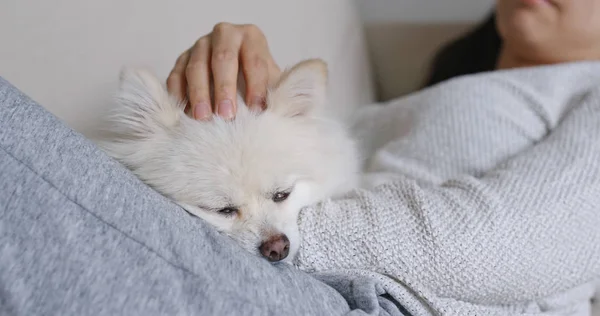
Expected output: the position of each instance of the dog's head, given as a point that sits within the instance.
(248, 177)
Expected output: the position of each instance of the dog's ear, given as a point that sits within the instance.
(143, 103)
(301, 90)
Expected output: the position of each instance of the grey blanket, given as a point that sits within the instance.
(493, 207)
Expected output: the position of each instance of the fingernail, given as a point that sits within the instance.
(225, 109)
(202, 111)
(257, 104)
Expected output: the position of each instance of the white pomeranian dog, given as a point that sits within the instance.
(248, 177)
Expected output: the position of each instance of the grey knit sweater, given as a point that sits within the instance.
(495, 205)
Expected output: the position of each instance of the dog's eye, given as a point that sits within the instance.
(228, 211)
(280, 196)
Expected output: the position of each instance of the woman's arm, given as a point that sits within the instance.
(527, 229)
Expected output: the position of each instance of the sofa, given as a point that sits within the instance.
(67, 54)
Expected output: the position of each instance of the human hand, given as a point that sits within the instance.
(214, 61)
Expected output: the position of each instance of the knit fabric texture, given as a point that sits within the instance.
(489, 202)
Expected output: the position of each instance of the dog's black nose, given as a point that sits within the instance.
(275, 248)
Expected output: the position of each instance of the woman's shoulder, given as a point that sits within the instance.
(548, 90)
(574, 74)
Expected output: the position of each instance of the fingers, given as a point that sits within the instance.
(198, 74)
(254, 56)
(176, 82)
(226, 47)
(212, 65)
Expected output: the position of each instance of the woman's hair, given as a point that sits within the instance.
(476, 51)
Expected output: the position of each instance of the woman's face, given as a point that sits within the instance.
(549, 31)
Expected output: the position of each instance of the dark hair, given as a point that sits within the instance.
(476, 51)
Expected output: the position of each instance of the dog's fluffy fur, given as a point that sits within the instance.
(234, 174)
